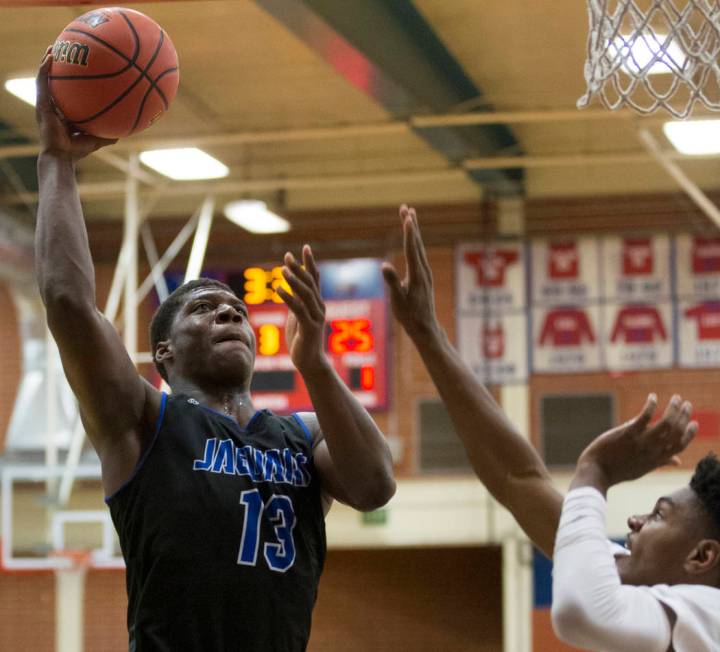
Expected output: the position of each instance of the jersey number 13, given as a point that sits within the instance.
(280, 553)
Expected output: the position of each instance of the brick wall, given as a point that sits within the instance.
(105, 627)
(422, 600)
(27, 612)
(544, 639)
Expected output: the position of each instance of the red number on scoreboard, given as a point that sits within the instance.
(367, 377)
(350, 335)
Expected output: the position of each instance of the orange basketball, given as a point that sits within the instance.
(114, 72)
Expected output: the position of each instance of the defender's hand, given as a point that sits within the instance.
(305, 328)
(57, 137)
(412, 298)
(635, 448)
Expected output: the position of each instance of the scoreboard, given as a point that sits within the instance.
(356, 332)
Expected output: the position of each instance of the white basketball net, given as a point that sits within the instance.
(653, 54)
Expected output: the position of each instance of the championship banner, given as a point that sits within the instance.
(636, 269)
(490, 276)
(699, 333)
(565, 339)
(495, 346)
(564, 271)
(491, 321)
(698, 267)
(638, 336)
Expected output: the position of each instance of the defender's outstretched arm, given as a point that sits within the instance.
(504, 460)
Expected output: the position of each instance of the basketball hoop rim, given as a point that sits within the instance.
(79, 559)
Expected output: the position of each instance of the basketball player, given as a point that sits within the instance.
(677, 544)
(219, 508)
(664, 594)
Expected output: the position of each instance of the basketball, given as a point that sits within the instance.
(114, 72)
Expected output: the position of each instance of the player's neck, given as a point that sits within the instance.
(234, 403)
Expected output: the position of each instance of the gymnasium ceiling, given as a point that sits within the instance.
(321, 104)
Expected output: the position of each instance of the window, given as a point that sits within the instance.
(440, 447)
(569, 423)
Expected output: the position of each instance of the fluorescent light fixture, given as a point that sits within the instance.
(694, 136)
(22, 87)
(184, 163)
(645, 49)
(253, 215)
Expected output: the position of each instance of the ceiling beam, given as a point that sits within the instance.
(389, 52)
(114, 189)
(703, 202)
(339, 132)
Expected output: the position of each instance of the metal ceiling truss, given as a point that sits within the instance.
(388, 51)
(161, 185)
(113, 190)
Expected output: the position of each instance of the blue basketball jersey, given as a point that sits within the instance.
(223, 533)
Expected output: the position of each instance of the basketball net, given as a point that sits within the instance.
(653, 54)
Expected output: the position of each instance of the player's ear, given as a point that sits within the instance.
(704, 557)
(163, 352)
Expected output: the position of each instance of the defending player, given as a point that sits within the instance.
(515, 475)
(663, 595)
(219, 508)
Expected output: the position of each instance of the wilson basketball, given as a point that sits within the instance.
(114, 72)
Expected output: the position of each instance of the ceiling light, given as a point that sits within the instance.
(666, 57)
(184, 164)
(694, 136)
(253, 215)
(22, 87)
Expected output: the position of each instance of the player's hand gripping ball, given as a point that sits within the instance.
(114, 72)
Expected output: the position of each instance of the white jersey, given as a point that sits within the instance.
(697, 609)
(592, 609)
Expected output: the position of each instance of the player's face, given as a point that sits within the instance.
(212, 338)
(661, 541)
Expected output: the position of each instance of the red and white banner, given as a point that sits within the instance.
(495, 346)
(699, 333)
(490, 276)
(565, 339)
(615, 303)
(638, 335)
(491, 312)
(565, 271)
(636, 268)
(698, 267)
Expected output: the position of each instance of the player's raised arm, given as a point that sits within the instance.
(111, 394)
(352, 455)
(502, 458)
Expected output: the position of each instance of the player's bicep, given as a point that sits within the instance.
(329, 477)
(105, 381)
(332, 485)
